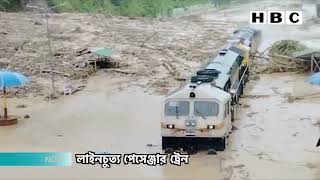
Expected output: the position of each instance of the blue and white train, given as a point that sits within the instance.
(201, 112)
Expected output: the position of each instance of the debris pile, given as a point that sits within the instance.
(286, 47)
(67, 63)
(281, 57)
(155, 55)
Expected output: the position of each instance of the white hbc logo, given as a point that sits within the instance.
(276, 17)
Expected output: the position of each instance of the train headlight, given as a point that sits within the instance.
(170, 126)
(188, 123)
(193, 124)
(210, 127)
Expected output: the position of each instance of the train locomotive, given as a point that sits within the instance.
(201, 112)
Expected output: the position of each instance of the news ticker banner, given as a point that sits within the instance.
(105, 160)
(35, 159)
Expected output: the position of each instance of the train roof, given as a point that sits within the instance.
(202, 91)
(238, 50)
(223, 64)
(245, 35)
(248, 30)
(212, 78)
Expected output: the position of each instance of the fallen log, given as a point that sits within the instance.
(74, 90)
(123, 72)
(283, 63)
(180, 79)
(56, 72)
(262, 57)
(150, 37)
(168, 67)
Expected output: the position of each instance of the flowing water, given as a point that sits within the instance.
(275, 138)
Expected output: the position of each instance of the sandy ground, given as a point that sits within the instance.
(121, 113)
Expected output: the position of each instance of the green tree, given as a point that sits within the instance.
(4, 4)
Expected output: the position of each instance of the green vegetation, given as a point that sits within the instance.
(145, 8)
(11, 5)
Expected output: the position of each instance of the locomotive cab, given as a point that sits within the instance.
(197, 115)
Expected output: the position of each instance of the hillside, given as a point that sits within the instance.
(145, 8)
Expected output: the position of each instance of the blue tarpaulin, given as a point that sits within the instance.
(314, 79)
(102, 52)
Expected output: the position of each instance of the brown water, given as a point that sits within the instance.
(275, 139)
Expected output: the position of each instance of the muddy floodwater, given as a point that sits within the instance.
(274, 138)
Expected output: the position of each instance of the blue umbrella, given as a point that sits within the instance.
(10, 79)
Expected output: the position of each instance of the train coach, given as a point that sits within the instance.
(201, 112)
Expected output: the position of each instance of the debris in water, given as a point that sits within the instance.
(78, 30)
(37, 23)
(292, 56)
(286, 47)
(255, 96)
(295, 134)
(246, 106)
(310, 165)
(27, 116)
(305, 118)
(291, 99)
(254, 78)
(251, 114)
(239, 166)
(168, 151)
(234, 128)
(21, 106)
(212, 152)
(152, 145)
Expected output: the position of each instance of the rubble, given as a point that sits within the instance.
(21, 106)
(38, 23)
(286, 47)
(281, 57)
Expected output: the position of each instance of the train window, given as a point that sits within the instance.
(177, 108)
(206, 108)
(239, 60)
(225, 110)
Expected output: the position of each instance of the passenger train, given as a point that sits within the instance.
(201, 112)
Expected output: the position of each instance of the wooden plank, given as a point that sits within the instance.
(312, 63)
(316, 63)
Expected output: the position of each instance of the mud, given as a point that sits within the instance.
(139, 45)
(274, 138)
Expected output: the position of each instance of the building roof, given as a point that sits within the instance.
(306, 54)
(223, 64)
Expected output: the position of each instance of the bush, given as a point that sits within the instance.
(145, 8)
(10, 5)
